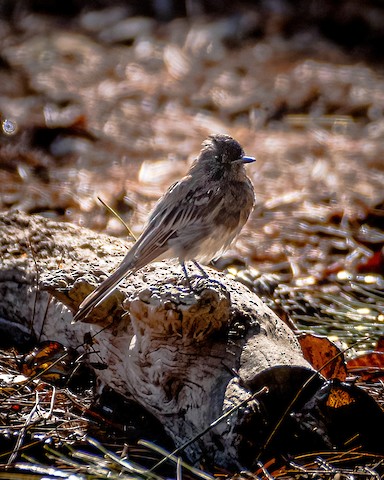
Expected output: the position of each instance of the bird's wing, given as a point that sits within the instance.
(181, 208)
(186, 210)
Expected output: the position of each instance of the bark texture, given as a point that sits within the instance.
(187, 357)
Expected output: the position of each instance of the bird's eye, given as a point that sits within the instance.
(219, 158)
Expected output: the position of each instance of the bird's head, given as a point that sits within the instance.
(221, 155)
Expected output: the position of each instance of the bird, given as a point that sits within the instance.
(196, 219)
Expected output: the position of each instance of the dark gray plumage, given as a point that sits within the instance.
(196, 219)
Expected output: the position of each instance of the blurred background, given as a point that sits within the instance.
(113, 99)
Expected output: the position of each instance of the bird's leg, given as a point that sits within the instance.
(186, 274)
(203, 272)
(197, 264)
(206, 275)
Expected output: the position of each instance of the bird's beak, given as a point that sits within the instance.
(246, 159)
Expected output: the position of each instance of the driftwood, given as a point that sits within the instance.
(187, 357)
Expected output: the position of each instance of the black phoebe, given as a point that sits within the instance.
(196, 219)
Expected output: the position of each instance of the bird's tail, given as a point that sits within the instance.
(102, 291)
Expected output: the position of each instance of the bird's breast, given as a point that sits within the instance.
(238, 201)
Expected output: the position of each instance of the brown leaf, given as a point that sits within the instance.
(369, 366)
(323, 355)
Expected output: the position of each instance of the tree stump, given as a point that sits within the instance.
(186, 356)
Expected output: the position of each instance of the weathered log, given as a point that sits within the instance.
(186, 356)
